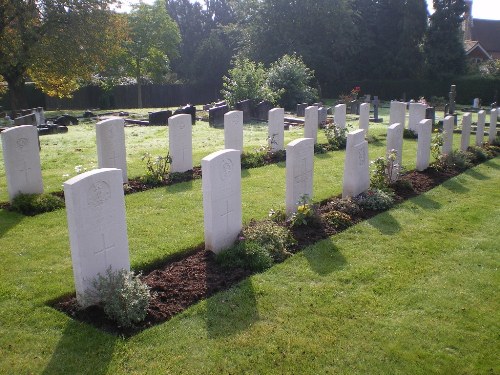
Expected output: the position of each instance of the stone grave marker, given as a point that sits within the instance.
(475, 103)
(299, 172)
(246, 107)
(430, 113)
(216, 115)
(233, 130)
(311, 123)
(448, 125)
(276, 129)
(424, 144)
(416, 114)
(301, 109)
(395, 142)
(322, 116)
(492, 131)
(364, 116)
(356, 165)
(21, 157)
(95, 209)
(481, 120)
(222, 210)
(110, 140)
(262, 109)
(354, 107)
(376, 104)
(466, 128)
(159, 117)
(368, 98)
(180, 143)
(339, 116)
(188, 109)
(451, 96)
(29, 119)
(397, 113)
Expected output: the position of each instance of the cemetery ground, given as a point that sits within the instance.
(412, 290)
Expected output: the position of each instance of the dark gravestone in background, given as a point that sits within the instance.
(160, 117)
(261, 110)
(188, 109)
(216, 116)
(246, 107)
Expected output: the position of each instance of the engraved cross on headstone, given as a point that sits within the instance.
(226, 215)
(25, 169)
(105, 247)
(301, 179)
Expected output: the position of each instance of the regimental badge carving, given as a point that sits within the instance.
(98, 194)
(227, 169)
(21, 143)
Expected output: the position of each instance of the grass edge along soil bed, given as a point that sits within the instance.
(195, 275)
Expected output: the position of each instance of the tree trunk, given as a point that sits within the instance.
(16, 92)
(139, 87)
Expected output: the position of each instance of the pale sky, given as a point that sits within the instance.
(484, 9)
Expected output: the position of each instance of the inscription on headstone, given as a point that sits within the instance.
(110, 140)
(356, 166)
(299, 172)
(424, 144)
(180, 143)
(276, 129)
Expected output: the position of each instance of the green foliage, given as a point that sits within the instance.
(336, 136)
(246, 254)
(437, 142)
(292, 78)
(124, 297)
(376, 200)
(458, 160)
(338, 219)
(276, 239)
(278, 215)
(384, 170)
(479, 154)
(33, 204)
(247, 80)
(409, 134)
(345, 205)
(306, 213)
(253, 159)
(157, 168)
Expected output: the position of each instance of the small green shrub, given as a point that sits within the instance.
(458, 160)
(123, 296)
(376, 200)
(384, 170)
(33, 204)
(336, 136)
(337, 219)
(157, 168)
(246, 254)
(275, 238)
(345, 205)
(320, 149)
(253, 159)
(479, 154)
(278, 216)
(409, 134)
(306, 213)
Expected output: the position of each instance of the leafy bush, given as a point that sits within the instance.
(336, 136)
(339, 220)
(306, 213)
(124, 297)
(157, 168)
(458, 160)
(376, 200)
(409, 134)
(275, 238)
(278, 216)
(246, 254)
(345, 205)
(385, 170)
(479, 154)
(247, 80)
(253, 159)
(292, 79)
(33, 204)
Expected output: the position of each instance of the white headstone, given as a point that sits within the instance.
(475, 103)
(180, 143)
(481, 120)
(397, 113)
(95, 208)
(395, 142)
(416, 114)
(299, 172)
(356, 165)
(339, 116)
(110, 139)
(221, 199)
(22, 160)
(276, 129)
(364, 116)
(424, 144)
(322, 115)
(466, 127)
(311, 123)
(492, 131)
(448, 125)
(233, 130)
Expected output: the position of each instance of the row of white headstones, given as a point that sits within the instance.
(95, 203)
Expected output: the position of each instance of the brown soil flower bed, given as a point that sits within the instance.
(181, 282)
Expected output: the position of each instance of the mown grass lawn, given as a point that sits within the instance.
(413, 290)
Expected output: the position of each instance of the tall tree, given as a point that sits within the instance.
(57, 43)
(443, 47)
(153, 40)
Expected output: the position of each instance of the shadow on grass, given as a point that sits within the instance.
(385, 223)
(455, 187)
(493, 164)
(8, 220)
(182, 186)
(81, 347)
(477, 175)
(232, 311)
(426, 203)
(324, 258)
